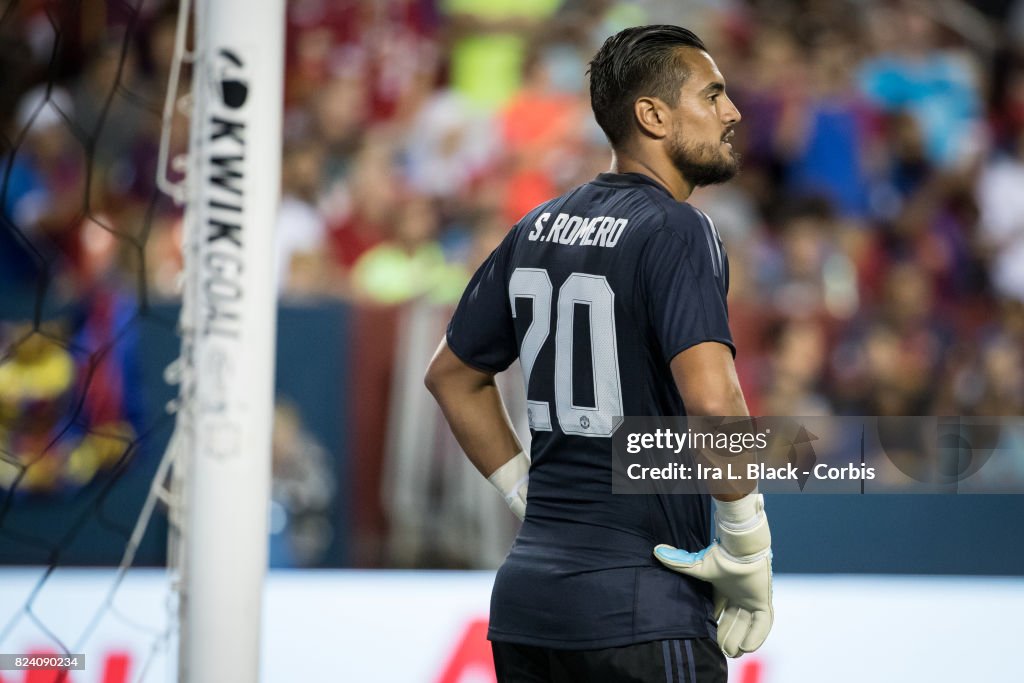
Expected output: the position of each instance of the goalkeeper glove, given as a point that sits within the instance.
(512, 480)
(739, 566)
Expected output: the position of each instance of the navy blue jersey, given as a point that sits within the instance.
(595, 292)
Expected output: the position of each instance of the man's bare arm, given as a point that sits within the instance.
(471, 403)
(706, 378)
(738, 563)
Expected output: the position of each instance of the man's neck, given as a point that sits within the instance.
(663, 173)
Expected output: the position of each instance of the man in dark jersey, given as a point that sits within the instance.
(613, 297)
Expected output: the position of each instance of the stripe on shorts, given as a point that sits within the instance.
(679, 661)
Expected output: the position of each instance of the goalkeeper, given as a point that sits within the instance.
(613, 298)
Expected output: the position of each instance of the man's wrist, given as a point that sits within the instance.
(512, 479)
(510, 476)
(743, 527)
(742, 513)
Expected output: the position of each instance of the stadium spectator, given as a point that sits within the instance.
(1002, 217)
(938, 86)
(794, 381)
(541, 132)
(45, 194)
(808, 273)
(449, 146)
(113, 123)
(411, 264)
(489, 44)
(302, 491)
(36, 389)
(360, 208)
(301, 267)
(824, 128)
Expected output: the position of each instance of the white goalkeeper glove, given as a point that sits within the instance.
(739, 566)
(512, 480)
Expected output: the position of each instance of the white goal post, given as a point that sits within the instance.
(228, 334)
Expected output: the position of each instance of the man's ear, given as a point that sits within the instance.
(652, 116)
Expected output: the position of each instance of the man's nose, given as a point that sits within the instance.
(731, 115)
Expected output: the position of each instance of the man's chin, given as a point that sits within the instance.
(721, 170)
(718, 174)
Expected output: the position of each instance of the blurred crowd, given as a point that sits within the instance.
(876, 231)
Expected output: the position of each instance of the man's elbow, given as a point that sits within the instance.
(444, 374)
(432, 378)
(449, 378)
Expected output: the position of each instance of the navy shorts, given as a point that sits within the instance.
(696, 660)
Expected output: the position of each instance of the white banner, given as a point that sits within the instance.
(429, 627)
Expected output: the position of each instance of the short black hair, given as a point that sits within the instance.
(635, 62)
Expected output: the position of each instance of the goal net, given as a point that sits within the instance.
(139, 179)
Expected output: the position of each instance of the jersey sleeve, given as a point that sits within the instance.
(481, 332)
(684, 275)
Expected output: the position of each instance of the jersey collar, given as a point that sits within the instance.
(630, 180)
